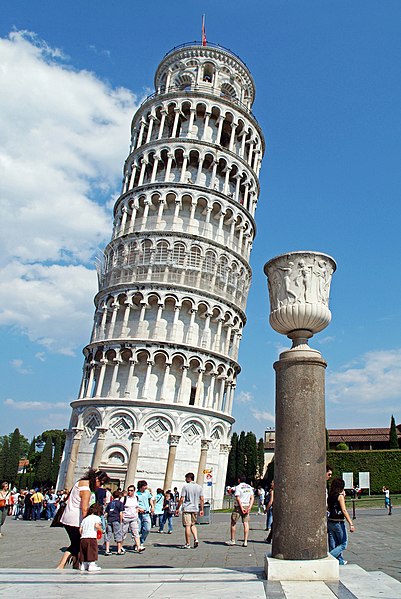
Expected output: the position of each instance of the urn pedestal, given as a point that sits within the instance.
(299, 285)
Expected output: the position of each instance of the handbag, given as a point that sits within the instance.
(2, 502)
(56, 520)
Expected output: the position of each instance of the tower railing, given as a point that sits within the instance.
(199, 87)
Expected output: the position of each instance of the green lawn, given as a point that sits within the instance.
(373, 501)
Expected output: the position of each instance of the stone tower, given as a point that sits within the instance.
(160, 369)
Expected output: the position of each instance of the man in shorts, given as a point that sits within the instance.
(192, 501)
(244, 498)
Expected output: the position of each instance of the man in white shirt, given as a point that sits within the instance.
(244, 498)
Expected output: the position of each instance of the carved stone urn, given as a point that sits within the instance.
(299, 287)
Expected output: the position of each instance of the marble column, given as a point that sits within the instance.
(205, 444)
(133, 458)
(220, 482)
(101, 436)
(69, 477)
(172, 450)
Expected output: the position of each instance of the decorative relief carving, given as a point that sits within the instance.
(158, 428)
(191, 433)
(299, 286)
(92, 421)
(121, 426)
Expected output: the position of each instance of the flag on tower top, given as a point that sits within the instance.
(203, 31)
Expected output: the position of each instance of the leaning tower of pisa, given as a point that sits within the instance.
(160, 370)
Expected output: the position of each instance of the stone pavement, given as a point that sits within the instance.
(213, 569)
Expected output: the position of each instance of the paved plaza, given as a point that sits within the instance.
(212, 569)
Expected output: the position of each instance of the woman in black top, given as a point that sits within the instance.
(337, 513)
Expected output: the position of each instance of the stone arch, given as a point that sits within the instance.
(158, 425)
(193, 430)
(121, 423)
(116, 455)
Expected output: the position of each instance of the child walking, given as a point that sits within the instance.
(168, 512)
(89, 529)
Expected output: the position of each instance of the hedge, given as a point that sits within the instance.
(384, 466)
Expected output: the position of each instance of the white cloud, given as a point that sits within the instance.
(41, 356)
(64, 138)
(261, 415)
(374, 378)
(18, 365)
(36, 406)
(244, 397)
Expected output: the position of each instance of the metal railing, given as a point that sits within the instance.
(208, 45)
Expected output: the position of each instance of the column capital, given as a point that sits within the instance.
(224, 448)
(136, 436)
(173, 440)
(77, 432)
(101, 430)
(205, 444)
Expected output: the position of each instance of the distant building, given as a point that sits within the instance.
(362, 438)
(355, 438)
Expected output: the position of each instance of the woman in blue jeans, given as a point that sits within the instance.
(335, 525)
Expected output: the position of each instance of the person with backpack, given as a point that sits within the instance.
(168, 512)
(114, 513)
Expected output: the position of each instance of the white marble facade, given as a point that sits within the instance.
(160, 370)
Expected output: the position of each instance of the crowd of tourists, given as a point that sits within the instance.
(29, 504)
(91, 512)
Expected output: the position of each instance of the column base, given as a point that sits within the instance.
(313, 569)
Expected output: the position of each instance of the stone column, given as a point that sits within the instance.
(69, 477)
(300, 454)
(133, 458)
(220, 482)
(205, 443)
(172, 450)
(101, 436)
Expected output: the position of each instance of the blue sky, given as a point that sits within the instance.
(328, 99)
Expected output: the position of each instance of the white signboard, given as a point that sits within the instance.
(349, 479)
(364, 480)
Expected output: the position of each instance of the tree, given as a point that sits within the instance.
(393, 439)
(231, 478)
(241, 459)
(11, 466)
(56, 461)
(24, 444)
(53, 433)
(342, 447)
(261, 458)
(4, 457)
(43, 473)
(251, 457)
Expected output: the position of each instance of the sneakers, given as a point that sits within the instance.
(121, 552)
(141, 549)
(170, 532)
(196, 543)
(93, 567)
(185, 547)
(245, 544)
(83, 567)
(230, 542)
(108, 553)
(343, 562)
